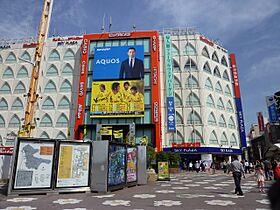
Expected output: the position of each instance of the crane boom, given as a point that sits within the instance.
(32, 95)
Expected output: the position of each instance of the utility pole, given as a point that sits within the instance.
(32, 94)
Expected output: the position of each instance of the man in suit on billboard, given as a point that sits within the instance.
(132, 68)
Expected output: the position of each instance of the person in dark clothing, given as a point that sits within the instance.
(237, 171)
(274, 195)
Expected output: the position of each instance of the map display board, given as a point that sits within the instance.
(34, 164)
(131, 165)
(73, 164)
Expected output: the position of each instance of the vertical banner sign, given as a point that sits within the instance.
(260, 121)
(272, 111)
(169, 85)
(238, 102)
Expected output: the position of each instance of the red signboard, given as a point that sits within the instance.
(205, 40)
(260, 121)
(183, 145)
(234, 73)
(6, 150)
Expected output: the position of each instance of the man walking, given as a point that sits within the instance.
(237, 170)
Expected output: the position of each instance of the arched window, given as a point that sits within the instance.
(224, 140)
(48, 103)
(229, 107)
(190, 65)
(192, 100)
(218, 88)
(222, 122)
(68, 70)
(194, 118)
(179, 119)
(52, 71)
(210, 101)
(178, 101)
(177, 83)
(17, 105)
(220, 104)
(231, 123)
(176, 66)
(69, 55)
(178, 137)
(5, 89)
(213, 138)
(46, 121)
(208, 84)
(22, 72)
(189, 49)
(175, 51)
(3, 104)
(205, 52)
(192, 82)
(195, 137)
(227, 91)
(212, 119)
(217, 72)
(14, 122)
(61, 135)
(225, 75)
(20, 88)
(50, 87)
(66, 86)
(206, 68)
(8, 73)
(215, 57)
(224, 62)
(233, 140)
(11, 58)
(62, 121)
(64, 103)
(54, 56)
(26, 56)
(44, 135)
(2, 122)
(1, 59)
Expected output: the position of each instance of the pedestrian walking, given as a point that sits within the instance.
(237, 171)
(197, 166)
(267, 169)
(247, 167)
(276, 169)
(225, 166)
(190, 166)
(213, 167)
(259, 173)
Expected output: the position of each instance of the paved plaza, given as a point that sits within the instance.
(184, 191)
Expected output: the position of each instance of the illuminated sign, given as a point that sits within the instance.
(81, 90)
(154, 43)
(83, 67)
(66, 38)
(155, 76)
(193, 144)
(207, 41)
(62, 43)
(119, 34)
(6, 150)
(156, 111)
(85, 46)
(31, 45)
(80, 110)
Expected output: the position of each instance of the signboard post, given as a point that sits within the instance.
(163, 171)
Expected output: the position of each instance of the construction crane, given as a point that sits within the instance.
(32, 95)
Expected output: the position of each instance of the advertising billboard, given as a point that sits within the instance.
(119, 62)
(131, 165)
(272, 110)
(117, 99)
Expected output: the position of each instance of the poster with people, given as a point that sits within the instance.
(131, 165)
(117, 99)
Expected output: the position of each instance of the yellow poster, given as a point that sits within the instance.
(65, 162)
(117, 99)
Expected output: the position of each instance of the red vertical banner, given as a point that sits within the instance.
(260, 121)
(234, 72)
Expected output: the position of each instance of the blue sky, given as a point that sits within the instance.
(249, 28)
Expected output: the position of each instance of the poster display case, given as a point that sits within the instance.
(131, 166)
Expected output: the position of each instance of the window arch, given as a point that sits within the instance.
(22, 72)
(229, 107)
(176, 66)
(210, 101)
(61, 135)
(178, 100)
(205, 52)
(195, 137)
(3, 104)
(208, 84)
(5, 89)
(212, 119)
(175, 51)
(194, 118)
(64, 103)
(189, 49)
(227, 91)
(48, 103)
(213, 138)
(11, 58)
(68, 70)
(192, 100)
(206, 68)
(66, 86)
(233, 140)
(52, 71)
(2, 122)
(54, 56)
(231, 123)
(215, 57)
(17, 105)
(46, 121)
(217, 72)
(178, 137)
(192, 82)
(225, 75)
(179, 118)
(14, 122)
(177, 83)
(218, 88)
(190, 65)
(62, 121)
(222, 122)
(20, 88)
(69, 55)
(44, 135)
(26, 56)
(224, 62)
(220, 104)
(50, 87)
(224, 140)
(8, 73)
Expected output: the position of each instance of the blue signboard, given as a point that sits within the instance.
(240, 119)
(170, 114)
(119, 62)
(198, 150)
(272, 110)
